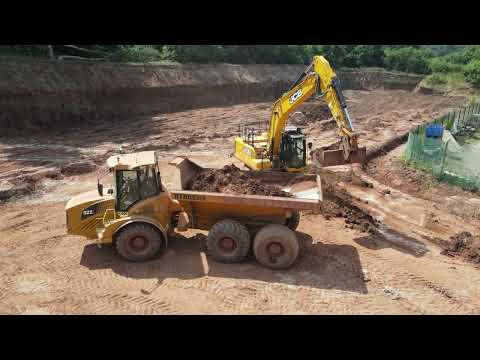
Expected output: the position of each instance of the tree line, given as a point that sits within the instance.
(420, 59)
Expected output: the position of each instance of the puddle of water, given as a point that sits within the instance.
(402, 241)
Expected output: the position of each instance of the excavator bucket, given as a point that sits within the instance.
(335, 157)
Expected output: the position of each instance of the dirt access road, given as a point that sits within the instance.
(340, 270)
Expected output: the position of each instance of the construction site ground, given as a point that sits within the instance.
(341, 270)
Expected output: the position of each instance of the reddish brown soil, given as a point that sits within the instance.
(231, 180)
(354, 217)
(465, 246)
(340, 270)
(337, 204)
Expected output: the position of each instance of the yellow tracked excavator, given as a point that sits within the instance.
(284, 147)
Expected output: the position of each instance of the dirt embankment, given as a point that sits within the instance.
(378, 78)
(41, 94)
(44, 94)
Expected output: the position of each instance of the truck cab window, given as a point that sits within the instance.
(127, 189)
(135, 185)
(148, 183)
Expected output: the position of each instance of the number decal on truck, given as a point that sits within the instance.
(89, 211)
(296, 96)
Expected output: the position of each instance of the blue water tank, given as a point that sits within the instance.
(434, 131)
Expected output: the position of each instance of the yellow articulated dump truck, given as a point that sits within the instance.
(139, 214)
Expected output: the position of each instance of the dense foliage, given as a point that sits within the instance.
(472, 72)
(438, 60)
(409, 59)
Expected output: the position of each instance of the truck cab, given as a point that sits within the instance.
(137, 196)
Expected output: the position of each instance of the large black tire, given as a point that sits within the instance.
(293, 221)
(228, 242)
(276, 247)
(138, 242)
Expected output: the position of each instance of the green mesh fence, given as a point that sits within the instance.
(455, 157)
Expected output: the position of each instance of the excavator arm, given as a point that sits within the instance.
(318, 77)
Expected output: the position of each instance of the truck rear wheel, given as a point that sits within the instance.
(228, 241)
(276, 247)
(138, 242)
(293, 221)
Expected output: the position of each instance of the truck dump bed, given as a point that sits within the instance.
(306, 189)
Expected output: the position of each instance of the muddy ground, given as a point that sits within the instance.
(341, 269)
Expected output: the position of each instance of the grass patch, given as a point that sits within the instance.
(449, 81)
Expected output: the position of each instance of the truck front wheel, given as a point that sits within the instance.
(276, 246)
(228, 241)
(138, 242)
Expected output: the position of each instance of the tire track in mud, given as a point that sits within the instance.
(232, 296)
(17, 227)
(48, 243)
(399, 277)
(7, 287)
(114, 302)
(57, 264)
(90, 283)
(269, 297)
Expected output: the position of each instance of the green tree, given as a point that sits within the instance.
(335, 54)
(369, 55)
(472, 72)
(25, 50)
(198, 53)
(409, 59)
(136, 53)
(442, 65)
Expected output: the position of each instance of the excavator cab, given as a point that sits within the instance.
(293, 150)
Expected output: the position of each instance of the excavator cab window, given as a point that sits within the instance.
(293, 151)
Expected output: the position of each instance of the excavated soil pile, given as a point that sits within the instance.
(354, 218)
(337, 203)
(464, 245)
(231, 180)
